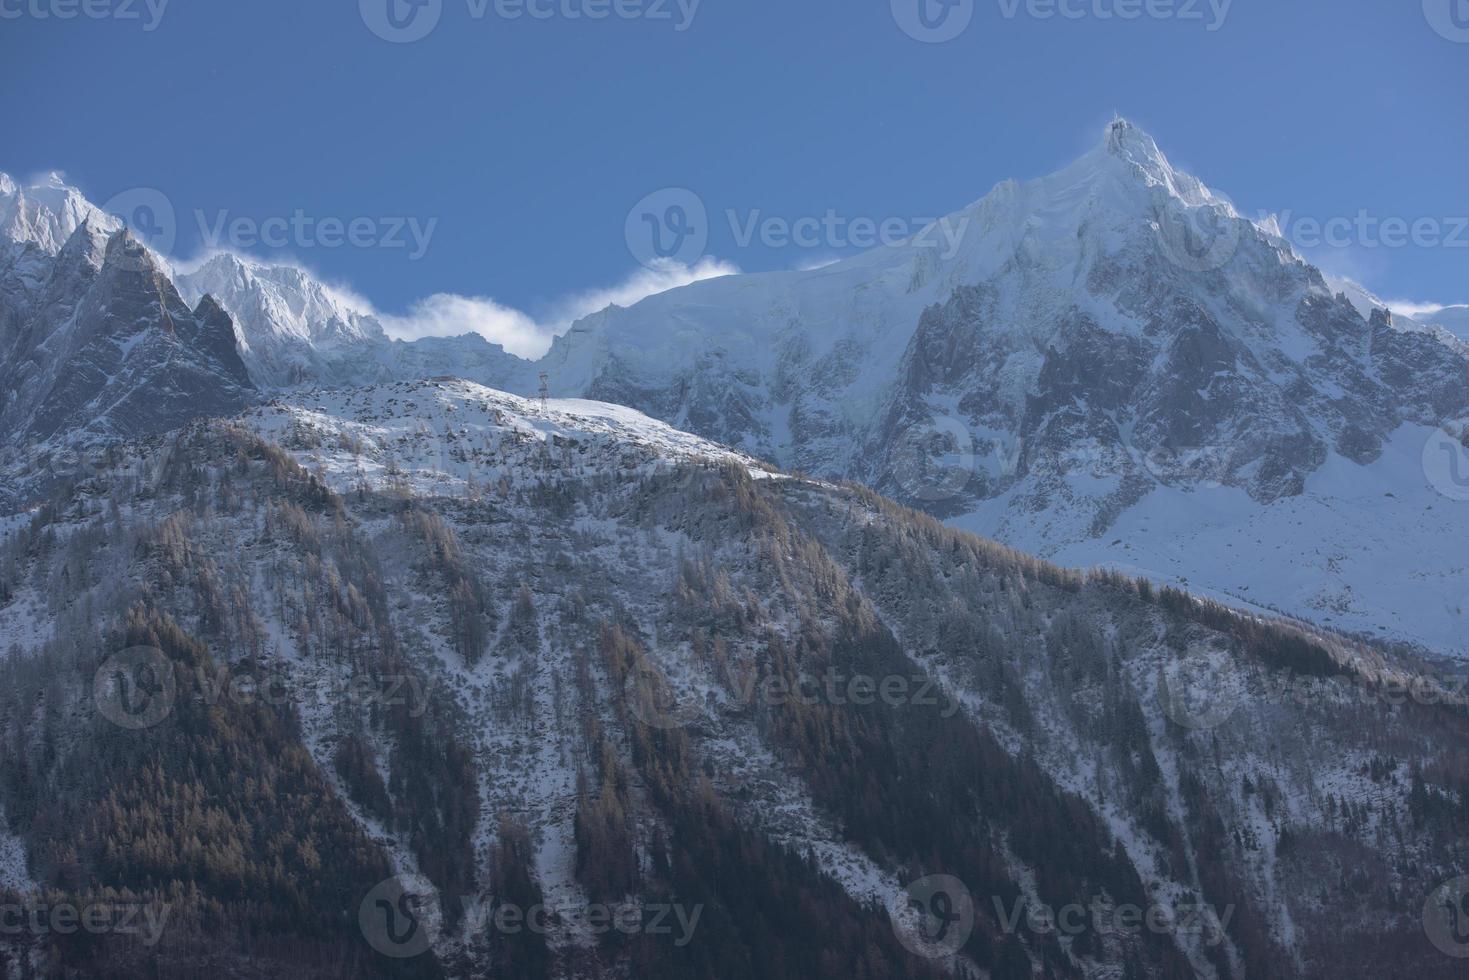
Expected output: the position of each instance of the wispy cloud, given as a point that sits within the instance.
(663, 276)
(520, 333)
(1411, 308)
(450, 315)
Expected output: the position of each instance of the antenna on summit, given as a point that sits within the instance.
(545, 392)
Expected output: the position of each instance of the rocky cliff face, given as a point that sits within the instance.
(101, 347)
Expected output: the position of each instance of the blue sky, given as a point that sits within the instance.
(528, 140)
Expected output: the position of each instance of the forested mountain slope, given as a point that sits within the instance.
(518, 655)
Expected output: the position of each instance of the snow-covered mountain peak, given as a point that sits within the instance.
(45, 212)
(295, 330)
(1126, 174)
(126, 254)
(87, 244)
(292, 328)
(294, 302)
(1133, 145)
(1125, 138)
(1086, 344)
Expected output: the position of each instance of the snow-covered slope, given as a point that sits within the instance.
(798, 365)
(439, 436)
(1063, 361)
(1104, 341)
(629, 657)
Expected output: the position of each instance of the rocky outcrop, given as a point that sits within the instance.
(106, 349)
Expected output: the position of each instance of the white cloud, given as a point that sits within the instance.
(453, 315)
(449, 315)
(1409, 308)
(663, 276)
